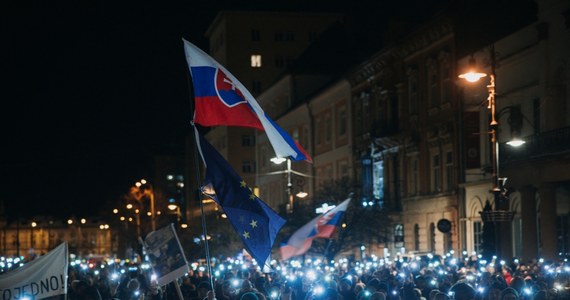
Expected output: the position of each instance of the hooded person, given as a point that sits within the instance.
(463, 291)
(346, 289)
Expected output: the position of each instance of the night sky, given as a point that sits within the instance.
(93, 89)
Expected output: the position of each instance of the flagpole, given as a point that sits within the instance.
(197, 176)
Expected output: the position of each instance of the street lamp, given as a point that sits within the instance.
(146, 188)
(501, 212)
(176, 209)
(289, 171)
(278, 161)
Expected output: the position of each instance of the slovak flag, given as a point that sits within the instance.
(220, 99)
(322, 226)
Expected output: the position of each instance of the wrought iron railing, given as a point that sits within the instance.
(543, 145)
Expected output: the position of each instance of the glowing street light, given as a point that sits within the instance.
(501, 212)
(289, 171)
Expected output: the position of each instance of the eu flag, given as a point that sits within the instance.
(255, 222)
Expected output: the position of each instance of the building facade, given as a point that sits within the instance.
(532, 104)
(31, 238)
(406, 143)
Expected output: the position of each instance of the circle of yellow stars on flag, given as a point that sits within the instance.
(253, 223)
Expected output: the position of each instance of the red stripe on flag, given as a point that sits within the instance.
(210, 111)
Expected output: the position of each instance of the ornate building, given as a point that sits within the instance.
(406, 141)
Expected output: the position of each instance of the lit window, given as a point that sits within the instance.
(256, 61)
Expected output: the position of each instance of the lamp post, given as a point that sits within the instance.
(176, 209)
(289, 171)
(501, 212)
(146, 188)
(280, 160)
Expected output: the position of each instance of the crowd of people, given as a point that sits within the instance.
(429, 277)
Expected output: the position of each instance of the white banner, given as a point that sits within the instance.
(42, 277)
(166, 255)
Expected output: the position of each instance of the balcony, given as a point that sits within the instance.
(544, 145)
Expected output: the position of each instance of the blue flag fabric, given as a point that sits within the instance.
(254, 221)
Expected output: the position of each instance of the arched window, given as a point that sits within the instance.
(399, 235)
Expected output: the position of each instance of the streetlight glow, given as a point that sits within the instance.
(278, 160)
(472, 75)
(516, 142)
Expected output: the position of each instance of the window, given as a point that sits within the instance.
(433, 82)
(342, 121)
(279, 36)
(305, 138)
(279, 62)
(342, 168)
(431, 237)
(536, 115)
(436, 173)
(417, 237)
(329, 172)
(289, 36)
(413, 91)
(248, 140)
(399, 235)
(295, 134)
(446, 83)
(449, 170)
(366, 180)
(378, 177)
(256, 60)
(413, 177)
(447, 242)
(320, 130)
(263, 157)
(248, 167)
(328, 128)
(478, 236)
(256, 87)
(255, 35)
